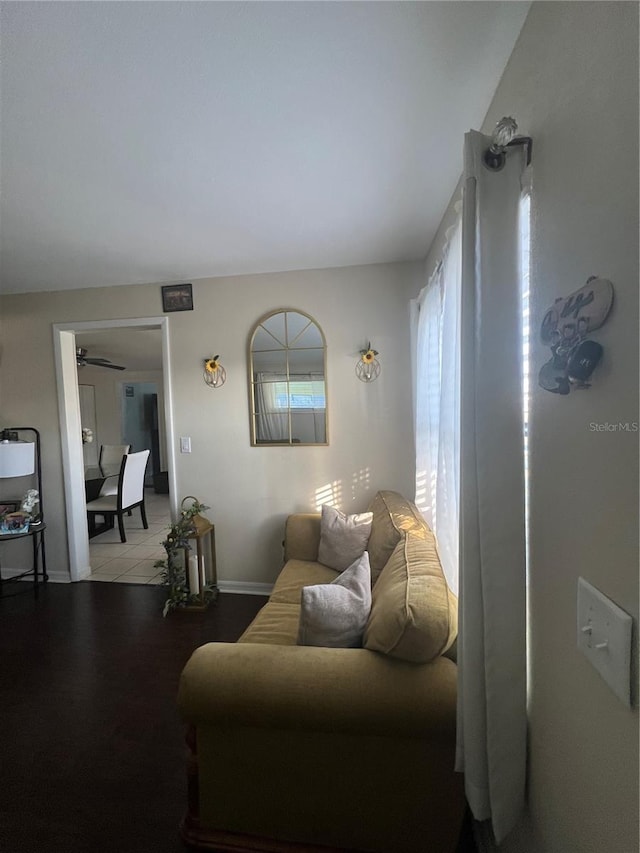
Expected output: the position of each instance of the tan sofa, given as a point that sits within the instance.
(299, 748)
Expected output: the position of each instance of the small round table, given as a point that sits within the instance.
(36, 531)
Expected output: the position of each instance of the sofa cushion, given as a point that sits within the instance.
(302, 536)
(335, 614)
(413, 614)
(392, 515)
(276, 624)
(343, 538)
(298, 573)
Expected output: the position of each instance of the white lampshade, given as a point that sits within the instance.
(17, 458)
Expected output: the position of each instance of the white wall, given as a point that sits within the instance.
(250, 489)
(572, 84)
(90, 450)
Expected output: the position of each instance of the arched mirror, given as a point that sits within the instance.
(287, 380)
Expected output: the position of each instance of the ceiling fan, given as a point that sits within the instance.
(82, 360)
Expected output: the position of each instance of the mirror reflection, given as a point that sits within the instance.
(287, 376)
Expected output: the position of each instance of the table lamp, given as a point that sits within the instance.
(17, 458)
(21, 458)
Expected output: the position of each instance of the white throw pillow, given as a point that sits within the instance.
(343, 538)
(335, 614)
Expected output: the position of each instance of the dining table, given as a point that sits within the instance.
(94, 477)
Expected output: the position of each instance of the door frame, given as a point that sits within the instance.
(64, 343)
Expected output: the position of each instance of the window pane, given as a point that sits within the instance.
(308, 428)
(299, 394)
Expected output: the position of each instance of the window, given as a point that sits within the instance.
(436, 334)
(300, 394)
(525, 261)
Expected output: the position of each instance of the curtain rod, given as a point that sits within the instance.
(504, 136)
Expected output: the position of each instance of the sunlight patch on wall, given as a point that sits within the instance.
(360, 483)
(330, 493)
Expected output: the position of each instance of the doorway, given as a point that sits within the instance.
(140, 424)
(71, 427)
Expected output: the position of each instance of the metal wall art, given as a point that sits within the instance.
(214, 373)
(368, 366)
(564, 329)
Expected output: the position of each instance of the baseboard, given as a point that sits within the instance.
(236, 587)
(54, 577)
(219, 841)
(59, 577)
(245, 587)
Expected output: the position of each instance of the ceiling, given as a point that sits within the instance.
(167, 141)
(136, 349)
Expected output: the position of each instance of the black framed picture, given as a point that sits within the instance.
(177, 297)
(9, 506)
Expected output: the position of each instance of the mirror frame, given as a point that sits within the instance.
(250, 371)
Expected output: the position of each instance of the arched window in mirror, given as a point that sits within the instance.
(287, 380)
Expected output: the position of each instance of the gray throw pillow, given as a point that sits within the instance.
(335, 614)
(343, 538)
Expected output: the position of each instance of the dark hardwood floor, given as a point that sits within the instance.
(91, 747)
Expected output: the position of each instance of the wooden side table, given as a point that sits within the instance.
(36, 532)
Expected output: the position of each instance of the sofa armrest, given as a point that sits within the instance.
(302, 536)
(318, 689)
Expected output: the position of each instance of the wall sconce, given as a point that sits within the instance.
(214, 373)
(368, 366)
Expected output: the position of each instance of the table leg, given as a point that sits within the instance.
(43, 558)
(34, 540)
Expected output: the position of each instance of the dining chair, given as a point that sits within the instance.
(129, 494)
(109, 463)
(111, 457)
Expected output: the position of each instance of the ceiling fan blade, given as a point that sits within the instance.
(82, 359)
(103, 362)
(107, 364)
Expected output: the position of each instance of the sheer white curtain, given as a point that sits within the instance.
(272, 424)
(491, 742)
(436, 333)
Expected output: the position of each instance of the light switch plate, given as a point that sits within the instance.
(604, 637)
(185, 444)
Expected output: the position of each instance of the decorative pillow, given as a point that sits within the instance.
(343, 538)
(335, 614)
(392, 514)
(413, 614)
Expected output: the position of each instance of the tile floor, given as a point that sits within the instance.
(132, 561)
